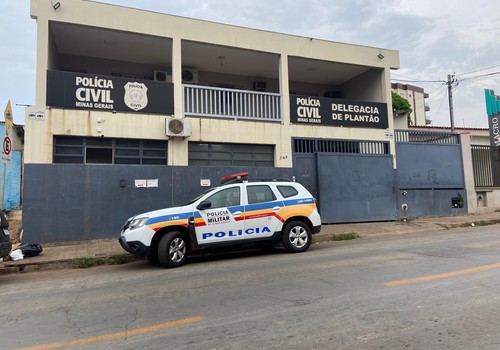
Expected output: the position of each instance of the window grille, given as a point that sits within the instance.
(100, 150)
(228, 154)
(340, 146)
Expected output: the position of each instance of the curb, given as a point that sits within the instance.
(26, 265)
(326, 236)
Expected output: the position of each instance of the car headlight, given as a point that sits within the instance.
(137, 222)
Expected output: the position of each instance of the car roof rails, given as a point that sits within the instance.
(242, 177)
(269, 180)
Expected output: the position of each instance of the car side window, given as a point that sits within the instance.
(288, 191)
(228, 197)
(260, 194)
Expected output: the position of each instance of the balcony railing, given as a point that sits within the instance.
(205, 101)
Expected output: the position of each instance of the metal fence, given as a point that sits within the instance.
(481, 164)
(339, 146)
(427, 137)
(205, 101)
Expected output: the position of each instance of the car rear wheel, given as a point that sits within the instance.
(297, 237)
(172, 250)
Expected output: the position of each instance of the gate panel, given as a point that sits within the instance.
(355, 188)
(429, 166)
(304, 166)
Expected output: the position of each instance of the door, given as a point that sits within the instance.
(356, 188)
(223, 217)
(261, 212)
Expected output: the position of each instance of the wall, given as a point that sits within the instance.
(367, 87)
(83, 202)
(429, 178)
(106, 67)
(13, 174)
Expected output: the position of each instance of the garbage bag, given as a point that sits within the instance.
(16, 255)
(30, 249)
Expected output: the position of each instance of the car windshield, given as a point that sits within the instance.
(198, 196)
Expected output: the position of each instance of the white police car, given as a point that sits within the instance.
(239, 211)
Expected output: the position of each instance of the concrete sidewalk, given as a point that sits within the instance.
(63, 255)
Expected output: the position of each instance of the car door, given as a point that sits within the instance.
(261, 211)
(222, 215)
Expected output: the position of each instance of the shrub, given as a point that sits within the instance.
(86, 262)
(345, 236)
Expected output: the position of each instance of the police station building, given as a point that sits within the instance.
(137, 110)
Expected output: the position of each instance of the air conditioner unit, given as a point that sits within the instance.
(259, 86)
(163, 76)
(177, 127)
(189, 76)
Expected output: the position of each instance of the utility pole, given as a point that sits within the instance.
(450, 82)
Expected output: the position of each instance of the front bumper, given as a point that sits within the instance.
(134, 247)
(316, 229)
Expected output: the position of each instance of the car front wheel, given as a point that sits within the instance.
(172, 250)
(297, 237)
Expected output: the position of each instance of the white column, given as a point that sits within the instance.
(470, 188)
(284, 148)
(177, 147)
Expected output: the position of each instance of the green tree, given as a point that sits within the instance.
(400, 105)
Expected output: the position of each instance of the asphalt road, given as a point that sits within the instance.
(419, 291)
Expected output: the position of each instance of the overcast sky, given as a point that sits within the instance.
(434, 38)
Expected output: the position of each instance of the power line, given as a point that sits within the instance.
(480, 70)
(481, 76)
(451, 83)
(419, 81)
(439, 108)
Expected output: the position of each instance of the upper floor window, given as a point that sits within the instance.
(230, 154)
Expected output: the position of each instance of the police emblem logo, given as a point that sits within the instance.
(136, 95)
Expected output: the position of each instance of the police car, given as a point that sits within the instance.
(239, 211)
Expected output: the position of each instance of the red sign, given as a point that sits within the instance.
(6, 150)
(7, 145)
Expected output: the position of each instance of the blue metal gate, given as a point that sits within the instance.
(353, 180)
(356, 188)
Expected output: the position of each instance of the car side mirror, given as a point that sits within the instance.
(204, 205)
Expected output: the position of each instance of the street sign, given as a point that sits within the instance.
(6, 150)
(9, 121)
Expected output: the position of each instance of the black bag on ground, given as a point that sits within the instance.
(30, 249)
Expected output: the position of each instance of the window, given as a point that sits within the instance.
(260, 194)
(228, 197)
(287, 191)
(226, 154)
(339, 146)
(100, 150)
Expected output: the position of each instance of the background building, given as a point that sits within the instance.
(416, 96)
